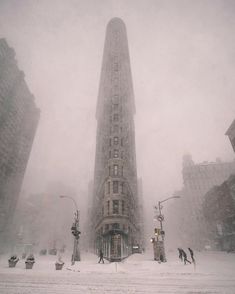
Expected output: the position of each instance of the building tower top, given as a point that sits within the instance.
(116, 71)
(115, 23)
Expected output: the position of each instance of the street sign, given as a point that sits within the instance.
(160, 218)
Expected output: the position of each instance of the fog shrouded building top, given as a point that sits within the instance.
(116, 216)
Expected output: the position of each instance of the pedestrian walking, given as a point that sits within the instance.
(185, 257)
(191, 254)
(101, 256)
(180, 254)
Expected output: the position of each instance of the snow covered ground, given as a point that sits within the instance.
(214, 273)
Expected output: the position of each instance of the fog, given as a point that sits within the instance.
(183, 70)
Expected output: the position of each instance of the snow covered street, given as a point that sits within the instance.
(214, 273)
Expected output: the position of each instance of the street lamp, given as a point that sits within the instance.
(75, 232)
(160, 218)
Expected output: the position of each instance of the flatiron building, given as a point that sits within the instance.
(116, 218)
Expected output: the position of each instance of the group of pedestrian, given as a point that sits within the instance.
(183, 255)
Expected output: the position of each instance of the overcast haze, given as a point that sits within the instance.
(182, 60)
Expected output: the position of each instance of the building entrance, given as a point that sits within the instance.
(116, 247)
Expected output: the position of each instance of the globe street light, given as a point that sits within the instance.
(160, 218)
(75, 232)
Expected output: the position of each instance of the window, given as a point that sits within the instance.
(122, 171)
(102, 210)
(109, 170)
(115, 117)
(108, 187)
(115, 66)
(115, 206)
(123, 207)
(115, 226)
(106, 227)
(116, 153)
(115, 140)
(115, 107)
(115, 99)
(110, 154)
(123, 187)
(115, 81)
(108, 207)
(115, 128)
(115, 169)
(110, 141)
(115, 186)
(122, 142)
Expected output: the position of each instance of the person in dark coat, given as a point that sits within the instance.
(185, 257)
(191, 254)
(180, 254)
(101, 256)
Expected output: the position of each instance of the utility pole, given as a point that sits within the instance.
(76, 233)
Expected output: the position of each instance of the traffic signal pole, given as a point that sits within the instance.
(159, 245)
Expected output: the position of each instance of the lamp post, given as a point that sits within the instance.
(75, 232)
(160, 218)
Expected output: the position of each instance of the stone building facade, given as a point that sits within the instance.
(186, 215)
(116, 220)
(198, 180)
(18, 122)
(219, 212)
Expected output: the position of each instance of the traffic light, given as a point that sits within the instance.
(77, 234)
(157, 232)
(75, 231)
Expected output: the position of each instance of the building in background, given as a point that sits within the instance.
(115, 209)
(44, 220)
(18, 123)
(219, 212)
(188, 218)
(231, 134)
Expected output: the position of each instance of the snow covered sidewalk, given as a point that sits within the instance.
(214, 273)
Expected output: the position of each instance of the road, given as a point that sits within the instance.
(214, 273)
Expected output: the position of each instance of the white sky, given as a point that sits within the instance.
(182, 60)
